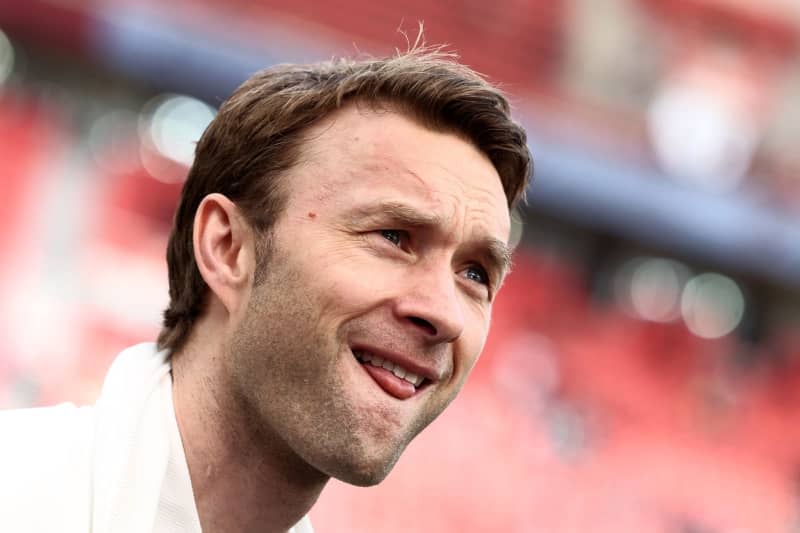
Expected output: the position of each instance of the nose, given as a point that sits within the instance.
(432, 305)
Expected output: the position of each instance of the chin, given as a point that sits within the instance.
(362, 472)
(363, 478)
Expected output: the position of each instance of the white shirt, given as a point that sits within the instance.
(176, 507)
(115, 467)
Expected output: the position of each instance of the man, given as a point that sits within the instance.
(340, 239)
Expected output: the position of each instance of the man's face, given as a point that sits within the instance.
(391, 248)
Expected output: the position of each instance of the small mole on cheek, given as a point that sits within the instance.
(312, 214)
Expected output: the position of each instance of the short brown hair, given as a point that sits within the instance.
(258, 132)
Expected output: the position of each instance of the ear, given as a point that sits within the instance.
(223, 250)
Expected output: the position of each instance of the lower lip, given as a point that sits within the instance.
(391, 384)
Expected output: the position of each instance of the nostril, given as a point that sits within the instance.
(423, 324)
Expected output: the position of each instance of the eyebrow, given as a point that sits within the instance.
(396, 212)
(499, 254)
(495, 251)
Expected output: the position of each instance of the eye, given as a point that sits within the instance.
(477, 274)
(395, 236)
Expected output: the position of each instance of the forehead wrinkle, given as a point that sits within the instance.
(384, 165)
(375, 159)
(397, 212)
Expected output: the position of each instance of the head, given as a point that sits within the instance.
(364, 207)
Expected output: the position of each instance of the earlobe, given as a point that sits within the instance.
(223, 249)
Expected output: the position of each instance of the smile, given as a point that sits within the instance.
(397, 370)
(391, 377)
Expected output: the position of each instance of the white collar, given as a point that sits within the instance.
(176, 506)
(135, 447)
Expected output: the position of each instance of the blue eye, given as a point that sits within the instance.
(392, 235)
(478, 275)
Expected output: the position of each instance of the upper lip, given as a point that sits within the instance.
(405, 361)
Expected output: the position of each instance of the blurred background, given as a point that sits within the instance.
(643, 374)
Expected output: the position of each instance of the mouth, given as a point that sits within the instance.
(393, 378)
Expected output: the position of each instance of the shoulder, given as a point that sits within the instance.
(36, 420)
(45, 457)
(57, 464)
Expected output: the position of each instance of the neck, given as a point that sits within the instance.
(244, 478)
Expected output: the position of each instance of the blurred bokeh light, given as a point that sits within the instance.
(712, 305)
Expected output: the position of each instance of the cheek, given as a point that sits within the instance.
(358, 273)
(349, 288)
(470, 346)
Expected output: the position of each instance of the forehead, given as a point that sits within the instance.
(363, 154)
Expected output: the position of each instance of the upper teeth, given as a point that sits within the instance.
(395, 369)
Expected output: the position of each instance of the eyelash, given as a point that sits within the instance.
(482, 272)
(403, 236)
